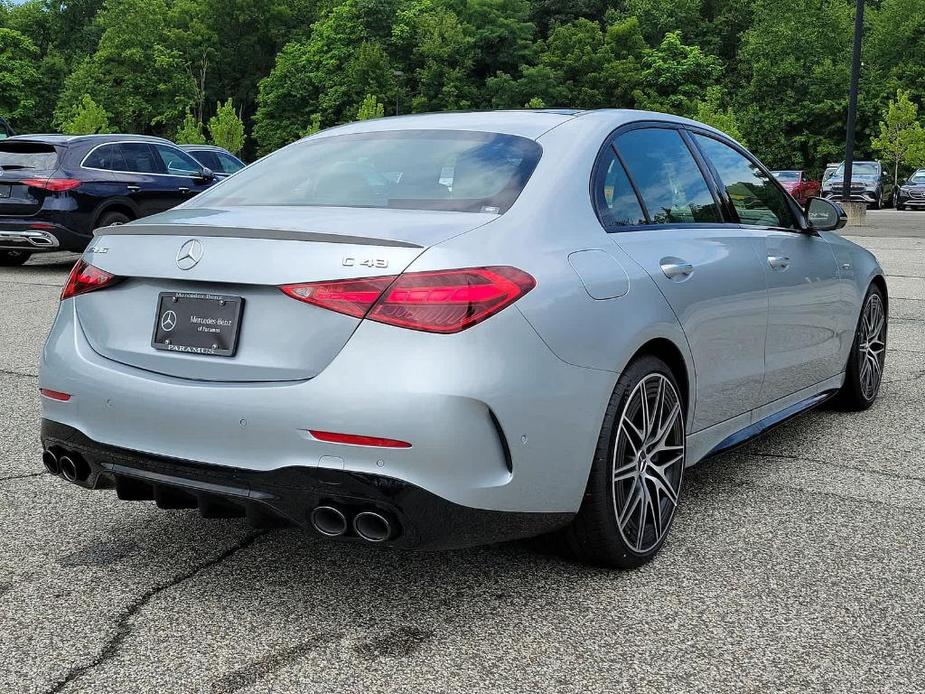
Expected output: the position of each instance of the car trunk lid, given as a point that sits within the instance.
(279, 338)
(21, 163)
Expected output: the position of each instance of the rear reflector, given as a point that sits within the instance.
(86, 278)
(53, 185)
(54, 394)
(331, 437)
(443, 301)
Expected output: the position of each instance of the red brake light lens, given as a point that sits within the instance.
(443, 301)
(353, 297)
(53, 185)
(86, 278)
(54, 394)
(353, 439)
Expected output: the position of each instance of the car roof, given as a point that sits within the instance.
(204, 148)
(529, 123)
(59, 139)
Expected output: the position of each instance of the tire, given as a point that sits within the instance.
(864, 371)
(13, 258)
(596, 535)
(899, 208)
(877, 205)
(108, 219)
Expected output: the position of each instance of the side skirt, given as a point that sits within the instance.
(762, 425)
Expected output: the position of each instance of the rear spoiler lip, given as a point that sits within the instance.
(246, 233)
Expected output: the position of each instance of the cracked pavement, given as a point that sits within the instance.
(795, 564)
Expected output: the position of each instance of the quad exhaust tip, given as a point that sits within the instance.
(372, 526)
(73, 468)
(328, 521)
(50, 461)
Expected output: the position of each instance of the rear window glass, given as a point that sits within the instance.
(788, 176)
(407, 169)
(27, 155)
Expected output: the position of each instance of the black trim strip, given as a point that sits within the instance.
(241, 233)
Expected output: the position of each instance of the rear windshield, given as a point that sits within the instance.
(27, 155)
(787, 175)
(407, 169)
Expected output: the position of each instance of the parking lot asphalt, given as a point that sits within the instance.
(796, 564)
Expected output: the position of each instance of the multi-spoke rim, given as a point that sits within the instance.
(871, 346)
(648, 462)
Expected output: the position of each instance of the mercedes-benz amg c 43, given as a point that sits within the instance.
(443, 330)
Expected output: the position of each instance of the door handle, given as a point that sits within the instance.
(133, 189)
(183, 189)
(676, 269)
(778, 262)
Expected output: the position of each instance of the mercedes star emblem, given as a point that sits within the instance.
(168, 321)
(189, 254)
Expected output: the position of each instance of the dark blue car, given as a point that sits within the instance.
(56, 189)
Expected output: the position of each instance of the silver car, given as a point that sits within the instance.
(443, 330)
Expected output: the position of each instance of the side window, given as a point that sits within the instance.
(667, 176)
(139, 157)
(756, 199)
(616, 201)
(177, 162)
(207, 158)
(106, 157)
(229, 164)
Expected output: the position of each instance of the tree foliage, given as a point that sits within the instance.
(774, 72)
(190, 132)
(901, 134)
(370, 108)
(226, 128)
(89, 118)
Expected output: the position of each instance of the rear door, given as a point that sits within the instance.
(804, 289)
(141, 180)
(709, 272)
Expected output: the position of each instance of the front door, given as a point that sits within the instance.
(804, 291)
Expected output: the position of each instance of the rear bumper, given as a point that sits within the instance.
(420, 520)
(38, 236)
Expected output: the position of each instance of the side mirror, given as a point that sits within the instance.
(824, 215)
(206, 174)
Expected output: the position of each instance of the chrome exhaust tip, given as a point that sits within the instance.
(73, 468)
(50, 461)
(328, 521)
(372, 526)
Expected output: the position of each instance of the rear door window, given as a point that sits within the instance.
(139, 157)
(15, 155)
(756, 198)
(616, 200)
(107, 157)
(228, 163)
(207, 158)
(667, 176)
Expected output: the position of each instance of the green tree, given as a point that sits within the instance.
(314, 125)
(712, 112)
(370, 108)
(89, 118)
(901, 134)
(190, 133)
(226, 128)
(675, 75)
(135, 73)
(18, 75)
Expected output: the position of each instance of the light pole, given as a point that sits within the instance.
(398, 75)
(853, 99)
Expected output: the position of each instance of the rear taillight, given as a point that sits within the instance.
(86, 278)
(443, 301)
(53, 185)
(355, 440)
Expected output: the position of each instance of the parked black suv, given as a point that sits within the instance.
(56, 189)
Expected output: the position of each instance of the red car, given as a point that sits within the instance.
(797, 184)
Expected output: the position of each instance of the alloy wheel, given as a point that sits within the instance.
(871, 346)
(648, 462)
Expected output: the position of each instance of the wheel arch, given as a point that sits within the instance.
(673, 356)
(880, 282)
(126, 207)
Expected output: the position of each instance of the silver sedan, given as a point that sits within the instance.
(443, 330)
